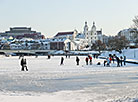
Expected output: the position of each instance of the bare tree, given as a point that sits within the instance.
(135, 29)
(98, 46)
(135, 20)
(118, 43)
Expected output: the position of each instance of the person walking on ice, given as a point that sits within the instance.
(124, 60)
(62, 60)
(22, 61)
(121, 60)
(86, 60)
(23, 64)
(77, 60)
(90, 58)
(118, 61)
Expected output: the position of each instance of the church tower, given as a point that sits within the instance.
(85, 32)
(93, 33)
(93, 29)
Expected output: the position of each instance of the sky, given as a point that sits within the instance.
(52, 16)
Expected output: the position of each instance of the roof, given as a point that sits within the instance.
(80, 36)
(20, 27)
(64, 33)
(58, 40)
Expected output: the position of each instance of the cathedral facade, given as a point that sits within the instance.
(92, 35)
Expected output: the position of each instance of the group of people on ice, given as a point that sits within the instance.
(113, 58)
(88, 60)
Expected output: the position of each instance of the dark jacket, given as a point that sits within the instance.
(23, 62)
(77, 59)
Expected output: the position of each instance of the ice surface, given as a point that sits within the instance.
(48, 81)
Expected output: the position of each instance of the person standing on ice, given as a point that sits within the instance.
(121, 60)
(86, 60)
(113, 58)
(25, 64)
(62, 60)
(108, 62)
(124, 60)
(90, 58)
(48, 56)
(118, 61)
(110, 58)
(77, 60)
(105, 61)
(22, 64)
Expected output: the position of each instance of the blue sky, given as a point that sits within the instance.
(51, 16)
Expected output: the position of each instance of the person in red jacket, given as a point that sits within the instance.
(110, 58)
(90, 58)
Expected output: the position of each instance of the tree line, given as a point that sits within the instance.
(114, 43)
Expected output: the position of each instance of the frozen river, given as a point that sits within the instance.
(67, 83)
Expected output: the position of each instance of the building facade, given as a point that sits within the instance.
(22, 32)
(64, 41)
(92, 35)
(129, 34)
(61, 44)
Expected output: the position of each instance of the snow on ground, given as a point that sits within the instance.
(47, 81)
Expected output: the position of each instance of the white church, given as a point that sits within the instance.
(72, 40)
(92, 35)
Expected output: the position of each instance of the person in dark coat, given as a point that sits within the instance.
(62, 60)
(105, 61)
(25, 64)
(124, 60)
(121, 60)
(66, 55)
(86, 60)
(22, 64)
(113, 58)
(36, 56)
(77, 60)
(20, 56)
(118, 61)
(48, 56)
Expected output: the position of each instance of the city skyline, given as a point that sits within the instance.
(50, 17)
